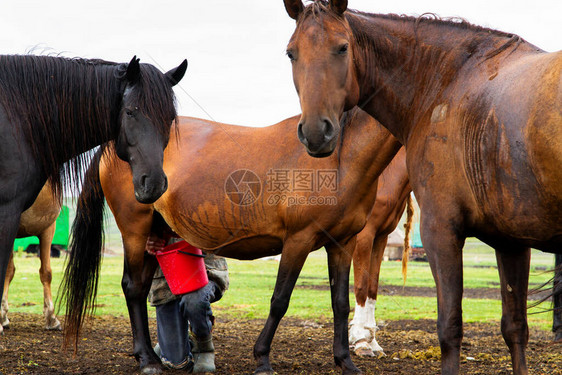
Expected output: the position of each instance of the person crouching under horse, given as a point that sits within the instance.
(175, 314)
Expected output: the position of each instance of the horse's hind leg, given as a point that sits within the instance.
(379, 246)
(513, 267)
(363, 326)
(9, 277)
(292, 259)
(339, 264)
(46, 276)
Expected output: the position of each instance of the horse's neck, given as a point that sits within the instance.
(366, 150)
(406, 66)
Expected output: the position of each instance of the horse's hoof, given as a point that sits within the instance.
(151, 369)
(364, 352)
(56, 327)
(558, 337)
(377, 349)
(351, 371)
(264, 372)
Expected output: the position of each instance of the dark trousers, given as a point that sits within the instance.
(173, 319)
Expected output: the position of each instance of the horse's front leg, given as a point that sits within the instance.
(339, 264)
(46, 276)
(138, 271)
(295, 252)
(360, 336)
(513, 267)
(443, 246)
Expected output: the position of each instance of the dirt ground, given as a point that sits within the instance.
(300, 347)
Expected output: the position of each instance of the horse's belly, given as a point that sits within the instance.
(31, 225)
(41, 215)
(529, 225)
(251, 248)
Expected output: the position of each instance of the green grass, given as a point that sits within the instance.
(252, 282)
(26, 292)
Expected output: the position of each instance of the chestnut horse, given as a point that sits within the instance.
(393, 194)
(226, 199)
(480, 114)
(38, 220)
(54, 109)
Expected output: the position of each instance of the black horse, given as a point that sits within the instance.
(54, 109)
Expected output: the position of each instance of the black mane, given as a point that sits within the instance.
(65, 107)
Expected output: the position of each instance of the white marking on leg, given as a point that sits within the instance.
(51, 321)
(4, 314)
(363, 327)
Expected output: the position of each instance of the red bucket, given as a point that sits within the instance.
(183, 266)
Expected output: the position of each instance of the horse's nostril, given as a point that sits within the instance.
(329, 129)
(300, 133)
(143, 179)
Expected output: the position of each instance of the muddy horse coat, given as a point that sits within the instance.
(480, 114)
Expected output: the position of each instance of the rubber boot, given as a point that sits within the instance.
(203, 355)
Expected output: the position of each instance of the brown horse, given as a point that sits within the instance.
(38, 220)
(226, 199)
(480, 114)
(393, 194)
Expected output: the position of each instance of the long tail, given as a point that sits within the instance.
(550, 290)
(80, 281)
(408, 230)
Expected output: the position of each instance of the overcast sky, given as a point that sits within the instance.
(238, 72)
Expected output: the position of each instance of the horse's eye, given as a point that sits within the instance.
(343, 49)
(129, 113)
(290, 56)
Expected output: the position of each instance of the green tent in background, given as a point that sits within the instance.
(417, 242)
(61, 233)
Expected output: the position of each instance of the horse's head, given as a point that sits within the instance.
(321, 54)
(146, 116)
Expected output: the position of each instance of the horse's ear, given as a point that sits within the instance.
(294, 8)
(338, 6)
(175, 75)
(133, 70)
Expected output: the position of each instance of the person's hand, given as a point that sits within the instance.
(154, 244)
